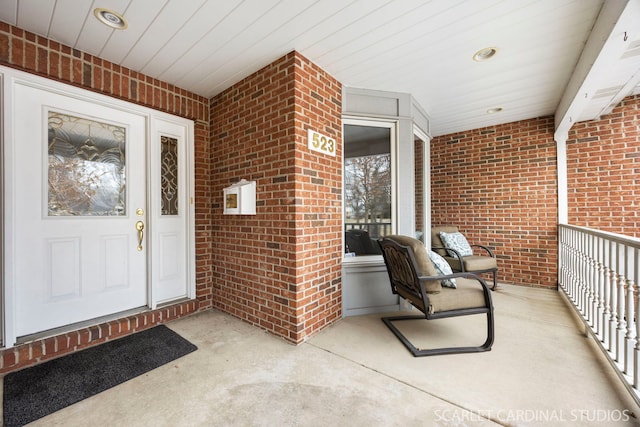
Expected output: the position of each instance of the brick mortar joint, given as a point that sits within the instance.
(61, 350)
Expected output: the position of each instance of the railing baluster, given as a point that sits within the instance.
(622, 323)
(605, 291)
(577, 277)
(630, 334)
(606, 274)
(567, 267)
(570, 265)
(593, 285)
(636, 350)
(562, 257)
(573, 280)
(584, 279)
(597, 278)
(571, 251)
(582, 290)
(613, 293)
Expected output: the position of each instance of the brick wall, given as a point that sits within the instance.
(29, 52)
(603, 171)
(280, 269)
(498, 185)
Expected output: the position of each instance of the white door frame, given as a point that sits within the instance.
(164, 282)
(2, 215)
(8, 78)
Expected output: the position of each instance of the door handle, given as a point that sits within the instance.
(140, 228)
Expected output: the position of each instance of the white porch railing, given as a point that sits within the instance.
(600, 274)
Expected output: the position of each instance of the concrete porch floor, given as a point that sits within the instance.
(542, 370)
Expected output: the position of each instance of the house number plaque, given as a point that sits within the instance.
(321, 143)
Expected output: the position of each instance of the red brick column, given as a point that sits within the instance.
(279, 269)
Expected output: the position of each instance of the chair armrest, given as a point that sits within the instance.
(486, 248)
(456, 254)
(466, 274)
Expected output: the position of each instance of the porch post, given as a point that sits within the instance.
(563, 200)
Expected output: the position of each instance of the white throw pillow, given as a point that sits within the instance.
(442, 268)
(456, 241)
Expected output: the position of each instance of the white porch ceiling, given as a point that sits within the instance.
(415, 46)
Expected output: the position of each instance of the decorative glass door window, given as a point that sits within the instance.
(86, 167)
(169, 175)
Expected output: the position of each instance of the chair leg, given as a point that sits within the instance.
(495, 280)
(418, 352)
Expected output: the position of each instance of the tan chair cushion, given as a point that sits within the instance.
(473, 263)
(424, 265)
(469, 294)
(413, 299)
(436, 242)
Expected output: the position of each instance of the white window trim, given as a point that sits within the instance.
(392, 125)
(426, 177)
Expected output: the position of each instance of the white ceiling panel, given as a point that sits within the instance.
(140, 14)
(223, 33)
(180, 32)
(68, 19)
(35, 14)
(260, 29)
(9, 11)
(420, 47)
(323, 26)
(159, 36)
(396, 40)
(429, 47)
(94, 35)
(282, 40)
(377, 24)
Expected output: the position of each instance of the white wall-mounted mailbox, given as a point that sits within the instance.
(240, 198)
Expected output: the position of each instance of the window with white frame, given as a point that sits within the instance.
(368, 185)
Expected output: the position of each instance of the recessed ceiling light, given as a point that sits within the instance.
(494, 110)
(110, 18)
(484, 54)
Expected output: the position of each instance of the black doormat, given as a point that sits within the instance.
(34, 392)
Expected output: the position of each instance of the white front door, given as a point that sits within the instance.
(80, 203)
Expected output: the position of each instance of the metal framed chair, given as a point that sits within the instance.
(412, 276)
(484, 261)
